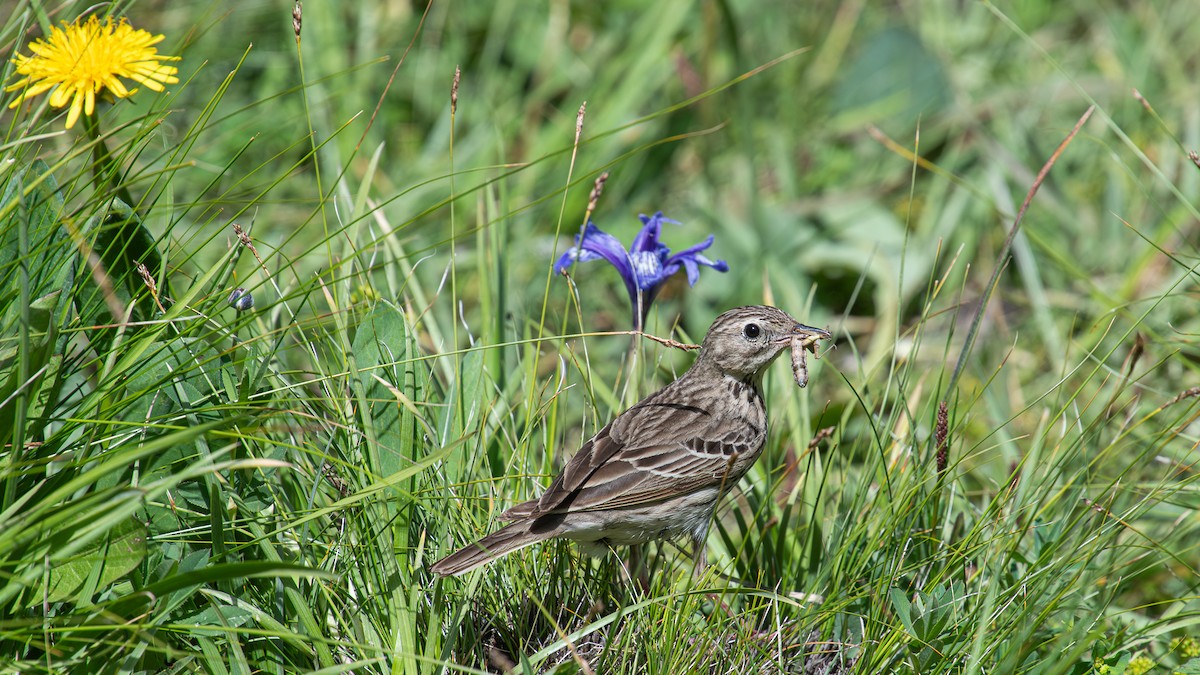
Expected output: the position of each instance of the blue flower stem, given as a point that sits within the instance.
(633, 362)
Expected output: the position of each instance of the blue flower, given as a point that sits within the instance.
(646, 266)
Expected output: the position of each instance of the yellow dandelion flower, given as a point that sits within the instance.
(79, 60)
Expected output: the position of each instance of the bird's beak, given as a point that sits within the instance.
(809, 334)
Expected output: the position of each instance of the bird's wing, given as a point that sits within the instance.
(656, 450)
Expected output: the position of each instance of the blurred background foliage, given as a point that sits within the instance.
(860, 165)
(786, 167)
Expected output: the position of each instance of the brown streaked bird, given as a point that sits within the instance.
(658, 470)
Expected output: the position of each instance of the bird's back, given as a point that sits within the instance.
(703, 430)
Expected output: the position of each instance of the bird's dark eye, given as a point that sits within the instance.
(751, 330)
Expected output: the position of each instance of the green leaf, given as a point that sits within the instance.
(109, 559)
(37, 271)
(29, 363)
(893, 82)
(380, 348)
(463, 411)
(122, 242)
(220, 617)
(171, 376)
(34, 246)
(902, 607)
(1192, 667)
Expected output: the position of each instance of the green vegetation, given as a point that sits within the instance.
(186, 487)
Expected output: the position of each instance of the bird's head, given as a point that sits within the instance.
(744, 341)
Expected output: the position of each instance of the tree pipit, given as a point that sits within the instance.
(658, 470)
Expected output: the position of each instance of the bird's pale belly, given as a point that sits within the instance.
(686, 515)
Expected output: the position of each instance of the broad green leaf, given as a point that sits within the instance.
(463, 412)
(1192, 667)
(34, 247)
(902, 608)
(893, 82)
(37, 270)
(178, 374)
(109, 559)
(219, 617)
(122, 242)
(380, 349)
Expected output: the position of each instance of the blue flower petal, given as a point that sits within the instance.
(718, 265)
(648, 270)
(646, 265)
(573, 255)
(647, 237)
(691, 258)
(693, 271)
(658, 217)
(597, 244)
(691, 250)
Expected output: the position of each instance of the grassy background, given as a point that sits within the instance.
(194, 489)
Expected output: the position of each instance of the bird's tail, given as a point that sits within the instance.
(497, 544)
